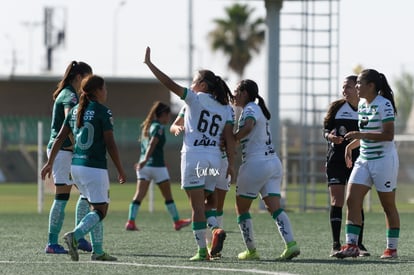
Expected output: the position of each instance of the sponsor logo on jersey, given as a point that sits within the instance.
(363, 122)
(206, 171)
(205, 141)
(73, 99)
(342, 130)
(345, 114)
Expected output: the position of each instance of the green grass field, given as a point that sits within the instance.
(158, 249)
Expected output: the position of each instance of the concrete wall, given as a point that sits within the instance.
(25, 96)
(32, 96)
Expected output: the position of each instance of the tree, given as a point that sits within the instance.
(404, 95)
(237, 37)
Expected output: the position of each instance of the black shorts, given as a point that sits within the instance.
(337, 174)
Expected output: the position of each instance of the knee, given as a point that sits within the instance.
(353, 203)
(100, 213)
(62, 196)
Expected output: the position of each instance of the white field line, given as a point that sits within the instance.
(252, 271)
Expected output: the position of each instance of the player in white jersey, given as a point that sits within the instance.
(341, 118)
(215, 202)
(260, 172)
(206, 119)
(377, 163)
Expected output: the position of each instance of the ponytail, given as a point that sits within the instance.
(157, 109)
(90, 85)
(386, 91)
(262, 105)
(73, 69)
(216, 86)
(381, 84)
(253, 92)
(333, 109)
(83, 103)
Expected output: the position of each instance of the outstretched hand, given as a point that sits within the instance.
(147, 59)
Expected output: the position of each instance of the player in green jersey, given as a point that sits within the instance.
(91, 124)
(151, 166)
(65, 97)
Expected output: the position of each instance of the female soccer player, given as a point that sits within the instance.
(215, 202)
(65, 97)
(260, 172)
(151, 166)
(208, 115)
(91, 124)
(377, 163)
(341, 118)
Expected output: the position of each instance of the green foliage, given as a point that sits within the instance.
(237, 36)
(404, 95)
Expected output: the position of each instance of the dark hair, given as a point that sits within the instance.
(253, 92)
(381, 84)
(90, 85)
(334, 106)
(216, 86)
(352, 77)
(73, 69)
(157, 109)
(332, 110)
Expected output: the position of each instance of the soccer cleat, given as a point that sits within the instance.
(130, 226)
(363, 252)
(389, 254)
(348, 250)
(291, 251)
(336, 247)
(103, 257)
(202, 255)
(55, 249)
(181, 223)
(72, 246)
(84, 245)
(249, 254)
(217, 241)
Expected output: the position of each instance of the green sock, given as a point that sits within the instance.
(82, 208)
(97, 238)
(172, 209)
(133, 210)
(86, 225)
(56, 217)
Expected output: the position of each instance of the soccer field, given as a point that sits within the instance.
(158, 249)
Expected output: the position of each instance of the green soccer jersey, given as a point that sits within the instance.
(67, 98)
(157, 157)
(90, 149)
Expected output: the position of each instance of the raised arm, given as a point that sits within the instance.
(162, 77)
